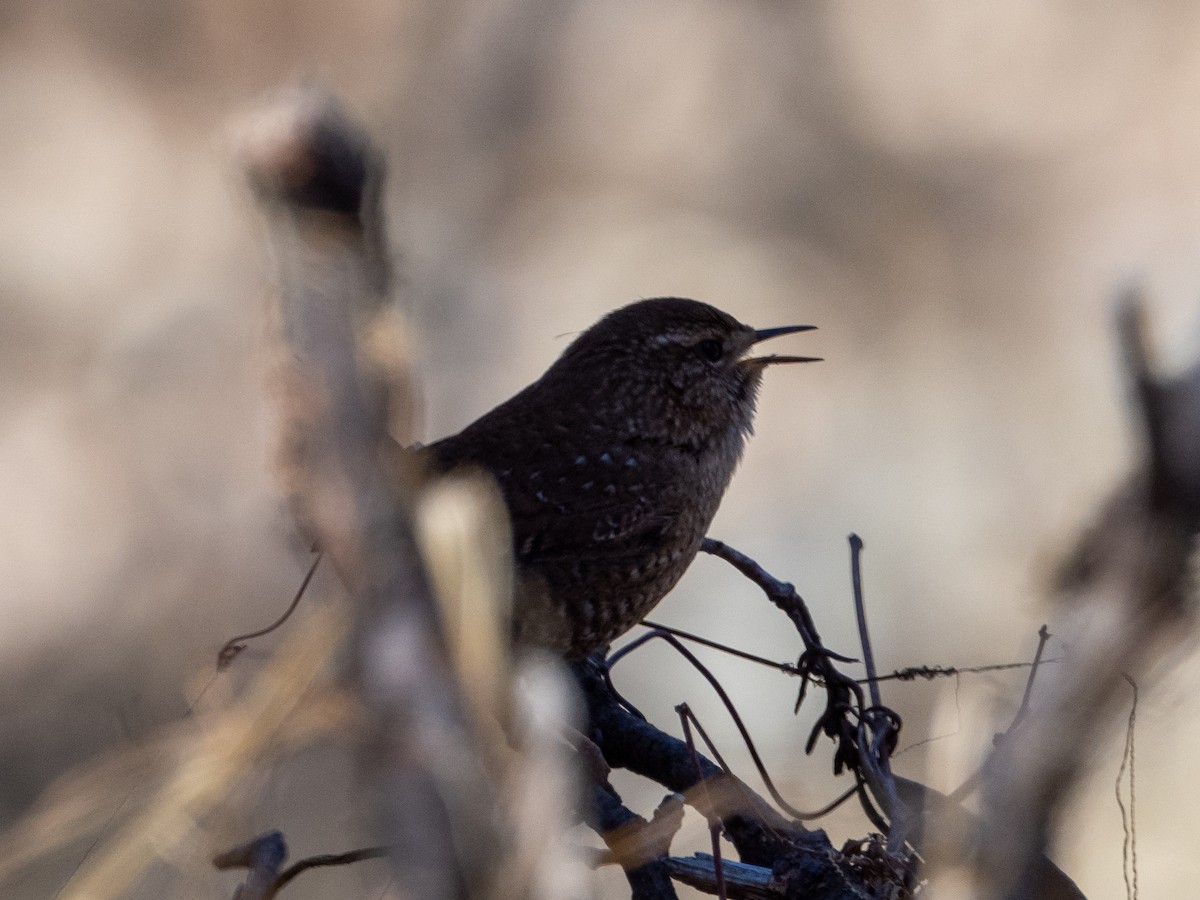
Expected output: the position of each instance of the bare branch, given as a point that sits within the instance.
(743, 881)
(760, 835)
(638, 846)
(865, 735)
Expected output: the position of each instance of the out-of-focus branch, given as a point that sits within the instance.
(1125, 597)
(286, 702)
(319, 181)
(941, 822)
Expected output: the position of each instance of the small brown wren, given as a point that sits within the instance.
(613, 464)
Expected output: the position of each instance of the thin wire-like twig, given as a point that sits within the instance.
(786, 667)
(708, 742)
(235, 645)
(928, 673)
(909, 673)
(1129, 867)
(94, 843)
(868, 806)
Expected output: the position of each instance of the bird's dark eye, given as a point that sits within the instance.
(710, 349)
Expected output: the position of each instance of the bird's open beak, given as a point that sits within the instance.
(764, 334)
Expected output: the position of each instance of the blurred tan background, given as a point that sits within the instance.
(953, 192)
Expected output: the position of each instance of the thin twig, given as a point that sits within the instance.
(729, 707)
(235, 645)
(778, 592)
(908, 673)
(1043, 636)
(856, 546)
(843, 694)
(327, 859)
(714, 823)
(785, 667)
(882, 723)
(870, 810)
(928, 673)
(760, 834)
(263, 856)
(965, 789)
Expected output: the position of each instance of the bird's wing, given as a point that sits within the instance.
(563, 507)
(611, 523)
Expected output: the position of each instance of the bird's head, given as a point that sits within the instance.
(674, 367)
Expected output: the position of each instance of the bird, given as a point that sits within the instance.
(613, 463)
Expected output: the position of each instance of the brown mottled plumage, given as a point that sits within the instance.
(614, 462)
